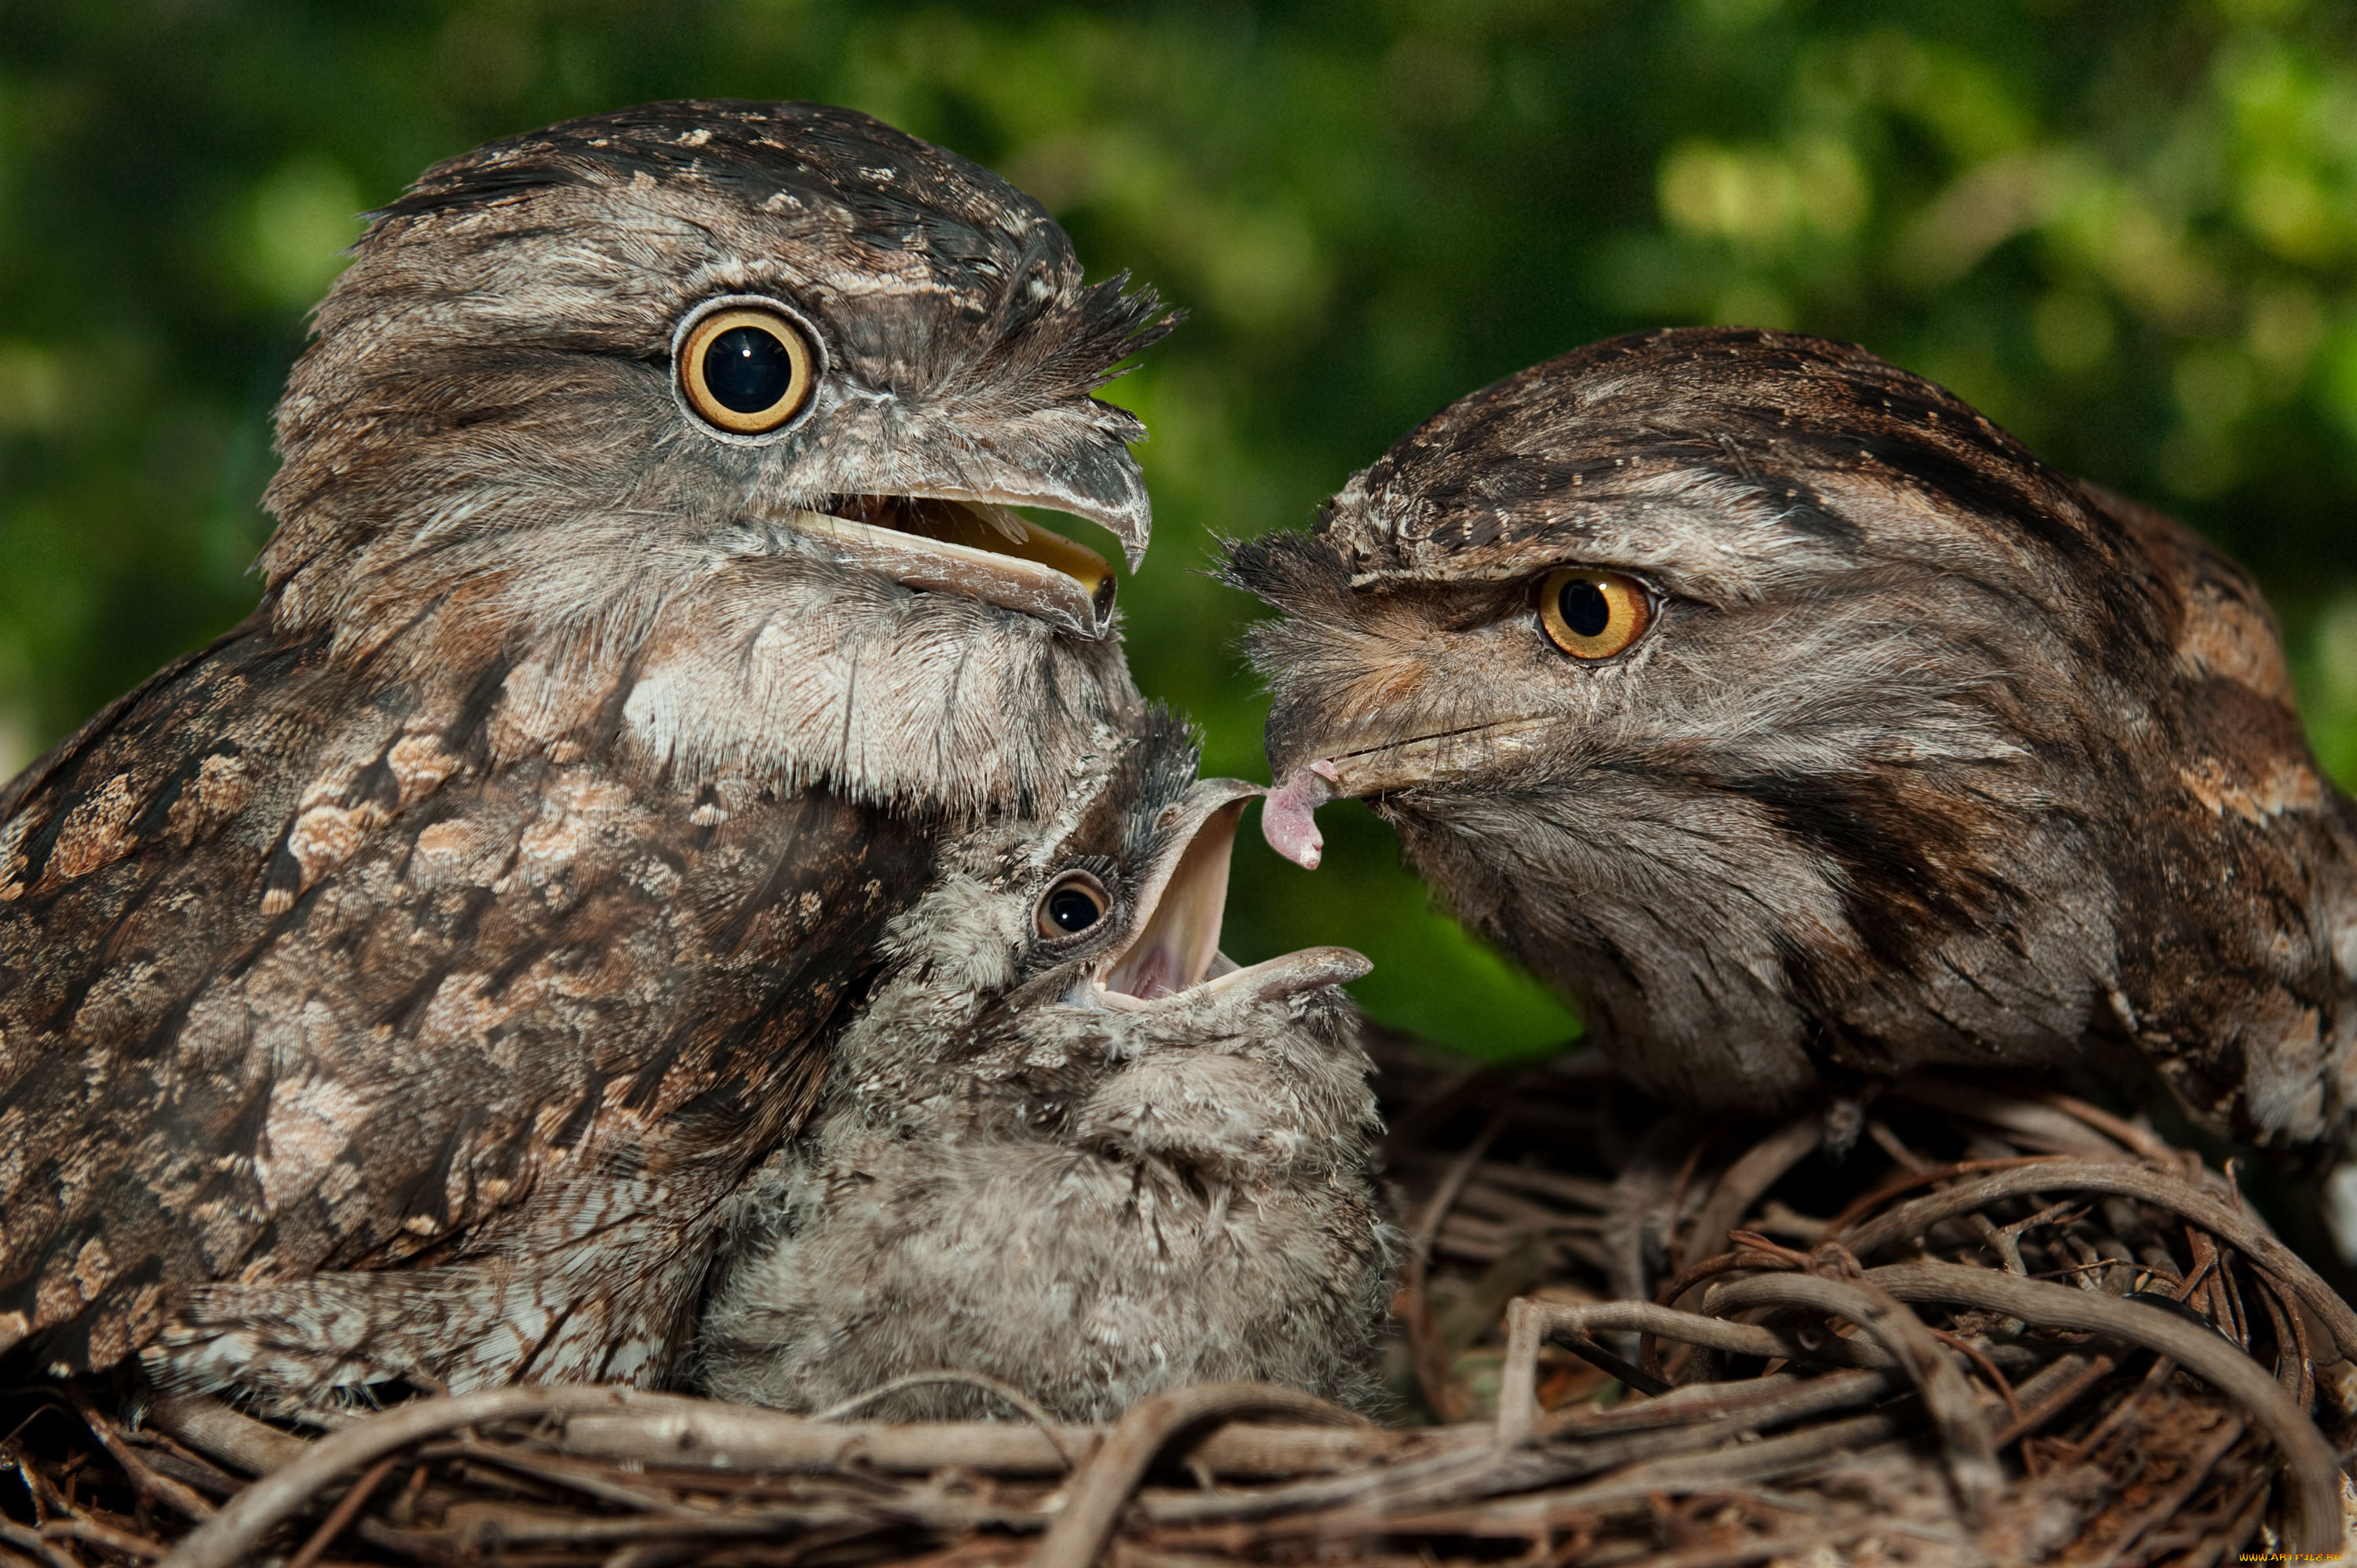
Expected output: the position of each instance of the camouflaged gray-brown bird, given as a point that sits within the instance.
(443, 944)
(1069, 1147)
(1804, 726)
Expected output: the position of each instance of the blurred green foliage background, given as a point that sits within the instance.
(2125, 230)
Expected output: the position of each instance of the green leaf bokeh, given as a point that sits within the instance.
(2126, 230)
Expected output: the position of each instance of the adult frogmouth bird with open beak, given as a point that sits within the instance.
(645, 603)
(1801, 724)
(1069, 1146)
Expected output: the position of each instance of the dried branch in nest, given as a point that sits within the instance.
(1997, 1329)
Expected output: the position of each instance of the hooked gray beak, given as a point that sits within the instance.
(961, 545)
(952, 531)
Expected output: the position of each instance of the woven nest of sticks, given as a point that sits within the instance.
(1991, 1329)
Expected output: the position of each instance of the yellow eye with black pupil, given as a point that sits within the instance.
(1073, 903)
(746, 370)
(1591, 614)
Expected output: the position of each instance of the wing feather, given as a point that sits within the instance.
(303, 979)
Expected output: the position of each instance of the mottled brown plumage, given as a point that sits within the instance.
(437, 949)
(1930, 755)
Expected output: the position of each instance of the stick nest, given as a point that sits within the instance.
(1952, 1326)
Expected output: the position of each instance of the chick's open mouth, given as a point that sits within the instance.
(1175, 956)
(975, 547)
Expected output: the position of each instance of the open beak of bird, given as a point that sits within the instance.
(1175, 956)
(964, 544)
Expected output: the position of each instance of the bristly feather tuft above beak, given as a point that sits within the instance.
(1109, 324)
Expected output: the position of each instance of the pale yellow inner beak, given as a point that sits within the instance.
(975, 548)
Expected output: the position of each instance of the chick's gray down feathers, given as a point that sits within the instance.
(439, 948)
(1022, 1170)
(1931, 755)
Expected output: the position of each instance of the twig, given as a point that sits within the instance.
(1445, 1197)
(669, 1429)
(89, 1531)
(1890, 1144)
(232, 1533)
(2126, 1133)
(351, 1503)
(2310, 1465)
(583, 1476)
(1742, 1184)
(1626, 1373)
(1753, 1251)
(1483, 1468)
(470, 1526)
(1679, 1185)
(2173, 1497)
(1965, 1438)
(168, 1457)
(2290, 1368)
(1518, 1376)
(210, 1427)
(1907, 1181)
(2207, 1268)
(1681, 1474)
(2025, 1122)
(1105, 1484)
(176, 1495)
(1756, 1403)
(2144, 1185)
(1980, 1358)
(1796, 1546)
(26, 1540)
(1020, 1401)
(1528, 1325)
(1640, 1194)
(1712, 1333)
(1426, 1350)
(36, 1485)
(2295, 1366)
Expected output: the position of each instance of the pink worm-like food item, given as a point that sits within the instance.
(1288, 820)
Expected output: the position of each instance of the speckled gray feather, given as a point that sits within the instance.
(1089, 1203)
(1933, 755)
(401, 983)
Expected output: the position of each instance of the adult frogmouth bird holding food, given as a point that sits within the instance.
(1067, 1146)
(451, 937)
(1801, 724)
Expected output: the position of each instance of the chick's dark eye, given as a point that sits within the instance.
(1073, 904)
(1591, 614)
(746, 370)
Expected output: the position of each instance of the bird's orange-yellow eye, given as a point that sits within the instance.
(746, 369)
(1073, 903)
(1591, 614)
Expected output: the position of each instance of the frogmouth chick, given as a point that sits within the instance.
(438, 949)
(1069, 1147)
(1803, 725)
